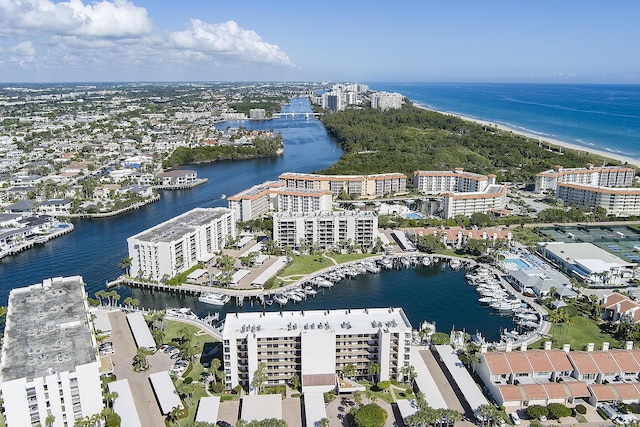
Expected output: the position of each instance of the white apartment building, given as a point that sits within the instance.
(254, 202)
(438, 182)
(315, 345)
(325, 228)
(49, 361)
(178, 244)
(363, 185)
(493, 198)
(385, 100)
(603, 176)
(270, 196)
(617, 201)
(179, 177)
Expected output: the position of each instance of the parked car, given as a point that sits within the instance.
(222, 423)
(515, 419)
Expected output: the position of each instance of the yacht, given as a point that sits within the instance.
(455, 264)
(184, 312)
(293, 296)
(214, 298)
(280, 299)
(268, 300)
(426, 261)
(322, 282)
(405, 262)
(386, 263)
(371, 267)
(309, 290)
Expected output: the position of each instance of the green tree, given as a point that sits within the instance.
(349, 371)
(125, 264)
(295, 381)
(373, 369)
(49, 420)
(440, 338)
(140, 362)
(259, 377)
(537, 411)
(558, 410)
(370, 415)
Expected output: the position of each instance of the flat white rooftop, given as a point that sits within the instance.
(340, 321)
(261, 407)
(208, 409)
(124, 405)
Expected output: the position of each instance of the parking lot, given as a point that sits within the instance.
(124, 349)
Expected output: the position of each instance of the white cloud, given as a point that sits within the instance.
(118, 18)
(228, 38)
(24, 49)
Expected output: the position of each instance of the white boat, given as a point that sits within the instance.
(371, 267)
(293, 296)
(280, 299)
(505, 305)
(405, 262)
(268, 300)
(386, 263)
(309, 290)
(321, 282)
(455, 264)
(214, 298)
(426, 261)
(184, 312)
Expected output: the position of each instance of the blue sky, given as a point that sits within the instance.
(425, 41)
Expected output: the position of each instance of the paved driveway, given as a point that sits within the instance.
(125, 349)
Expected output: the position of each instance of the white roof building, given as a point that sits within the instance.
(49, 360)
(315, 345)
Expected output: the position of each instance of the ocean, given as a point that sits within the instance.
(603, 116)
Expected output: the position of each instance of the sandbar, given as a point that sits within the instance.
(545, 140)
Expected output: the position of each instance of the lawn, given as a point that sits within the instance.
(305, 264)
(198, 340)
(582, 331)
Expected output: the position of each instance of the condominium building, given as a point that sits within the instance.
(178, 244)
(274, 196)
(617, 201)
(385, 100)
(315, 345)
(362, 185)
(492, 198)
(326, 228)
(438, 182)
(253, 202)
(603, 176)
(49, 368)
(257, 114)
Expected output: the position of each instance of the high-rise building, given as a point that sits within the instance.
(326, 228)
(315, 345)
(178, 244)
(385, 100)
(603, 176)
(49, 366)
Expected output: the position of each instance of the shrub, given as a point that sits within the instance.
(537, 411)
(558, 410)
(581, 409)
(226, 397)
(216, 387)
(370, 415)
(188, 380)
(329, 396)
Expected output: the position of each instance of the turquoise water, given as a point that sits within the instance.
(603, 117)
(519, 262)
(412, 215)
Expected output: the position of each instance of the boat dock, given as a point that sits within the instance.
(258, 295)
(37, 239)
(186, 186)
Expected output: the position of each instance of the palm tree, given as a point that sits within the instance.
(49, 420)
(116, 298)
(554, 317)
(110, 397)
(172, 417)
(101, 294)
(125, 264)
(373, 369)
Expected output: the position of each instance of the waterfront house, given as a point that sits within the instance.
(55, 207)
(178, 177)
(22, 206)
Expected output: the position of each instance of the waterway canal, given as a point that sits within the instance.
(96, 247)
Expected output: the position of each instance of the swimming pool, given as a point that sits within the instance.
(412, 215)
(519, 263)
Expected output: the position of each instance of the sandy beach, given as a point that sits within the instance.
(554, 142)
